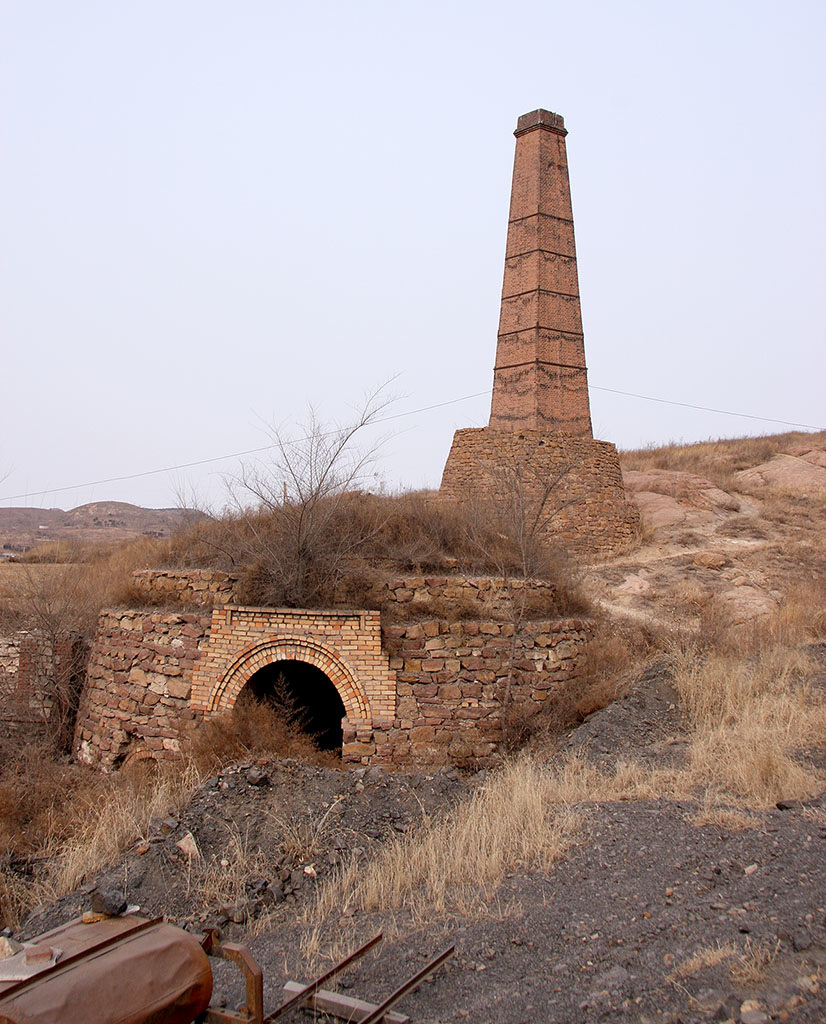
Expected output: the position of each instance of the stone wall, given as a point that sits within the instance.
(482, 597)
(138, 684)
(462, 686)
(420, 691)
(40, 678)
(591, 513)
(206, 587)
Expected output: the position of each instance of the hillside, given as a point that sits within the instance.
(24, 528)
(656, 853)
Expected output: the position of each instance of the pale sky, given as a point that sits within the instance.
(213, 214)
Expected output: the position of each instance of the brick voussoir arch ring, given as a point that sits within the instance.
(291, 648)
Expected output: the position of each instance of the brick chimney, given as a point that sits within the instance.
(540, 380)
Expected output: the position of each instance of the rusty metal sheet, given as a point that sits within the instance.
(123, 970)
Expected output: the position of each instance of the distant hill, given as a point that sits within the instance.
(24, 528)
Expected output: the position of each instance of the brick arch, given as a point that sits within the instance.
(291, 648)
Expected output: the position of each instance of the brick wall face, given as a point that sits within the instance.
(540, 381)
(346, 646)
(37, 676)
(593, 513)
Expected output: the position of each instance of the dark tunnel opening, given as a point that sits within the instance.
(305, 696)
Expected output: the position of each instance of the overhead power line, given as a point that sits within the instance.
(232, 455)
(705, 408)
(384, 419)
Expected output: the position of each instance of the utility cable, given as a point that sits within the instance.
(233, 455)
(705, 408)
(384, 419)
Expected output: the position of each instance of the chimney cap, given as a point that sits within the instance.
(540, 119)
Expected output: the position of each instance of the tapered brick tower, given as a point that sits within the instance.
(540, 381)
(538, 449)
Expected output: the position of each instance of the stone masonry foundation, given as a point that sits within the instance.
(416, 690)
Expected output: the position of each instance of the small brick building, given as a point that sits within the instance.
(416, 690)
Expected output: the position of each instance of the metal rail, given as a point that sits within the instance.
(310, 990)
(405, 987)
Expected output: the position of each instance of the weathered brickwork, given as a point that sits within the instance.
(592, 513)
(206, 587)
(540, 381)
(462, 685)
(138, 684)
(346, 646)
(540, 418)
(415, 691)
(39, 677)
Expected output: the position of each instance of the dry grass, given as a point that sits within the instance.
(112, 824)
(302, 839)
(61, 824)
(754, 962)
(223, 880)
(719, 460)
(703, 958)
(802, 616)
(508, 824)
(747, 720)
(729, 819)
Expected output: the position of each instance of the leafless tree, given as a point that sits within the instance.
(57, 607)
(300, 533)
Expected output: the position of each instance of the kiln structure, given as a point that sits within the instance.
(539, 432)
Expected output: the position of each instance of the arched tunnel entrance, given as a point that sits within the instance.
(304, 695)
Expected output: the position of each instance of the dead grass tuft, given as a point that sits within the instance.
(509, 823)
(703, 958)
(753, 964)
(223, 880)
(729, 819)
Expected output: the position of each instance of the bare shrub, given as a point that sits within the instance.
(253, 729)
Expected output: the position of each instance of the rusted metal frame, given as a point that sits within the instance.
(82, 954)
(253, 978)
(309, 990)
(407, 986)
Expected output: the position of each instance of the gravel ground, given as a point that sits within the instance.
(607, 934)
